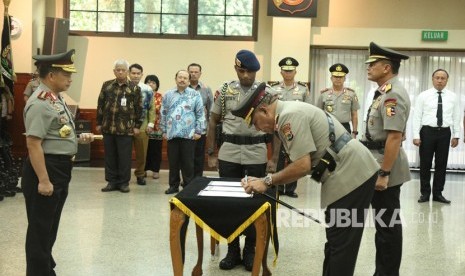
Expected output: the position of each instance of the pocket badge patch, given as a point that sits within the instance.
(390, 105)
(287, 132)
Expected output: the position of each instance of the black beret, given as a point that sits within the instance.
(338, 70)
(247, 106)
(377, 52)
(247, 60)
(288, 64)
(65, 61)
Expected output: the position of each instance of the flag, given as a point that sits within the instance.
(6, 57)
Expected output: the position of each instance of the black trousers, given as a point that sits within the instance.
(345, 234)
(229, 169)
(44, 212)
(181, 157)
(199, 157)
(286, 188)
(388, 237)
(434, 142)
(347, 127)
(153, 160)
(118, 155)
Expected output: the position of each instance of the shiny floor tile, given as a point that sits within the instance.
(128, 234)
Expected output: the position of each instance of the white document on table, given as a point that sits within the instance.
(224, 189)
(225, 183)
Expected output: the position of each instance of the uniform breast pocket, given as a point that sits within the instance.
(347, 102)
(297, 98)
(56, 123)
(375, 124)
(231, 105)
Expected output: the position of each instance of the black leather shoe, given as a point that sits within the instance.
(124, 188)
(247, 257)
(141, 181)
(233, 257)
(423, 198)
(109, 188)
(440, 198)
(292, 194)
(171, 190)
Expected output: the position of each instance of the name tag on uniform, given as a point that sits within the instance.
(123, 101)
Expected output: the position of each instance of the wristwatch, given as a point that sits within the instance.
(355, 132)
(210, 151)
(383, 173)
(268, 180)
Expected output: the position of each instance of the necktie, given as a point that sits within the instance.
(439, 112)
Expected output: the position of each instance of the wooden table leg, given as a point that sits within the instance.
(266, 270)
(261, 227)
(197, 271)
(177, 219)
(213, 244)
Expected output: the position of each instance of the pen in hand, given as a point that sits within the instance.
(246, 181)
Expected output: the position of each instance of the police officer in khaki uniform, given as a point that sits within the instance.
(340, 101)
(386, 123)
(318, 145)
(243, 149)
(51, 142)
(287, 90)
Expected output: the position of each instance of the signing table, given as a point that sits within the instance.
(224, 217)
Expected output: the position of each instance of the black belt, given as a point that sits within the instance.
(436, 128)
(61, 157)
(245, 140)
(374, 145)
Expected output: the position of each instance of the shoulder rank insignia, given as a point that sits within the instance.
(287, 132)
(350, 89)
(302, 83)
(324, 90)
(386, 88)
(273, 83)
(46, 95)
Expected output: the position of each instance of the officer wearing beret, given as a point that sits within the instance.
(51, 142)
(318, 145)
(243, 149)
(386, 124)
(288, 90)
(340, 101)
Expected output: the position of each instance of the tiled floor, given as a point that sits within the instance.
(127, 234)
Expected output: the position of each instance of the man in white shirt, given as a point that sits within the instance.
(435, 121)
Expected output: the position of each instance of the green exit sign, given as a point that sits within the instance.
(434, 35)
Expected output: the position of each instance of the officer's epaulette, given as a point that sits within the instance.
(324, 90)
(386, 88)
(273, 83)
(43, 95)
(350, 89)
(302, 83)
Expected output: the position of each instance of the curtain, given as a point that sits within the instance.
(415, 73)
